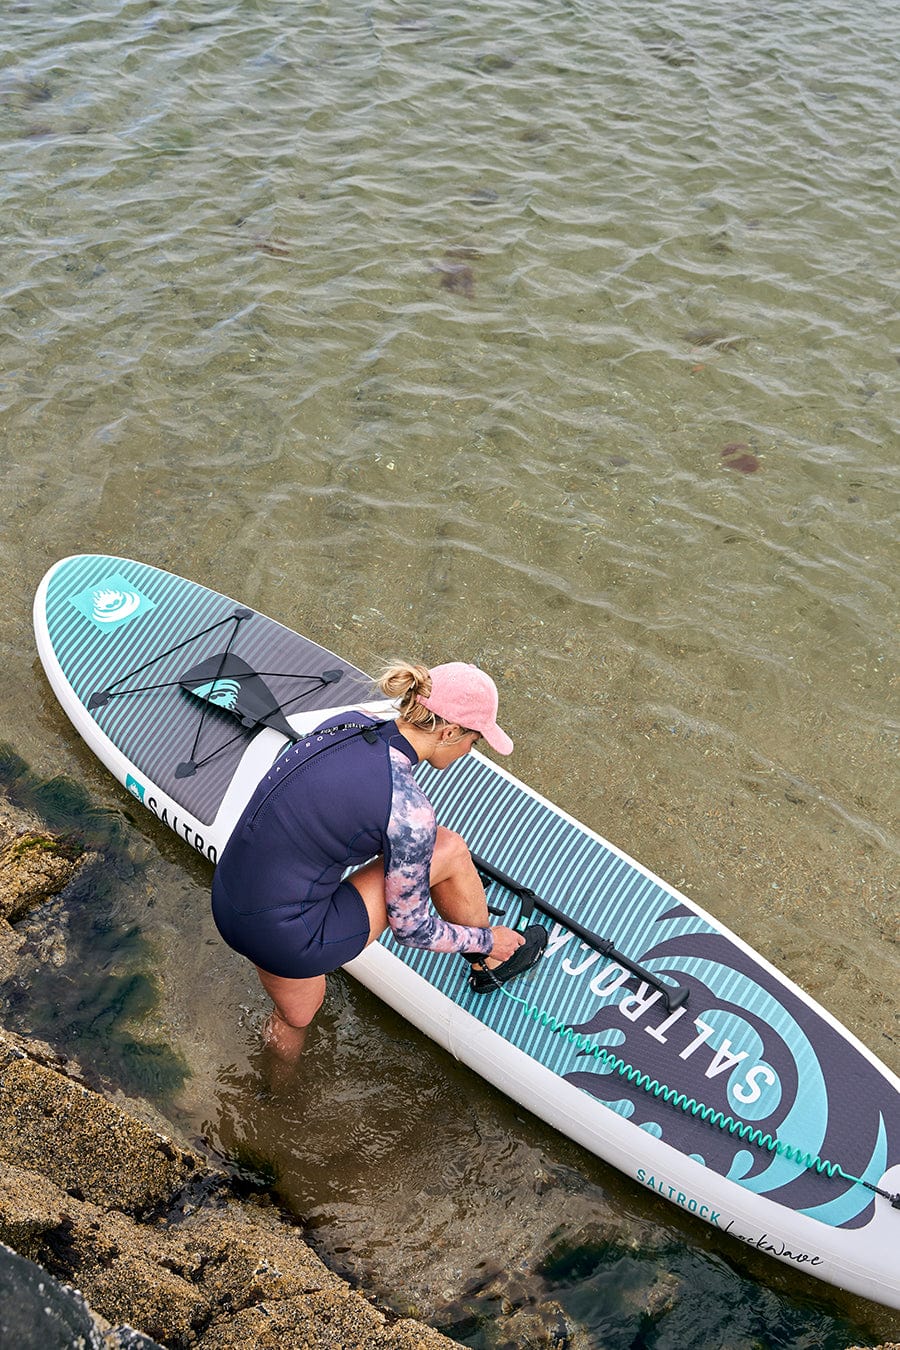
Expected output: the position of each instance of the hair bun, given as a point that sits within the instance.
(406, 681)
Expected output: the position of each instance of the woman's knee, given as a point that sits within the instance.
(451, 852)
(301, 1017)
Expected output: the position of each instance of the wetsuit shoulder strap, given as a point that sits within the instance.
(368, 733)
(389, 733)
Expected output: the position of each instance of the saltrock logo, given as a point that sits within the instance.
(224, 693)
(111, 603)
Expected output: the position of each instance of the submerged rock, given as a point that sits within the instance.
(489, 63)
(34, 866)
(737, 455)
(707, 336)
(457, 276)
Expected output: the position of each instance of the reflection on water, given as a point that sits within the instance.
(550, 337)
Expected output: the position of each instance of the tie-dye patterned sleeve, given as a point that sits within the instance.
(411, 835)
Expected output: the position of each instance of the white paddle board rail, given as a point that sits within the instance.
(648, 1032)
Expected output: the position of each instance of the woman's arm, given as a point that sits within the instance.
(411, 834)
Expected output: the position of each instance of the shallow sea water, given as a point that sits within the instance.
(553, 336)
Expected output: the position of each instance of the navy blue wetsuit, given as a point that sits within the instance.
(333, 801)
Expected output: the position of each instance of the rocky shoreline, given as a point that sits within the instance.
(164, 1244)
(166, 1247)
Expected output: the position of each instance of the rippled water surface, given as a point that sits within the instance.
(555, 336)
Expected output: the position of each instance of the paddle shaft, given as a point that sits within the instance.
(675, 995)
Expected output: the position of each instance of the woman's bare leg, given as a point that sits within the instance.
(296, 1004)
(458, 896)
(456, 887)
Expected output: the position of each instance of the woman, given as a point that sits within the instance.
(335, 800)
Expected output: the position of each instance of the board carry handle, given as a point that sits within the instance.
(675, 996)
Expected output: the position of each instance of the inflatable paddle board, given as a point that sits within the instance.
(648, 1033)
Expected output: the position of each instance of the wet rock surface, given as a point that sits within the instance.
(155, 1237)
(38, 1313)
(34, 865)
(82, 1143)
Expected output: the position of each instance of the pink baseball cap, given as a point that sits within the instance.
(464, 694)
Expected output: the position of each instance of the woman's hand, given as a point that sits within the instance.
(506, 941)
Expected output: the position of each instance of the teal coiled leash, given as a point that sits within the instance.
(673, 1097)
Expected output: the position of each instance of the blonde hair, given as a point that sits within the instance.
(404, 683)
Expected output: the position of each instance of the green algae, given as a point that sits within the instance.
(68, 848)
(63, 805)
(94, 1002)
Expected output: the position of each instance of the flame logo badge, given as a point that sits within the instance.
(114, 606)
(111, 603)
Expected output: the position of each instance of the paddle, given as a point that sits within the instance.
(675, 996)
